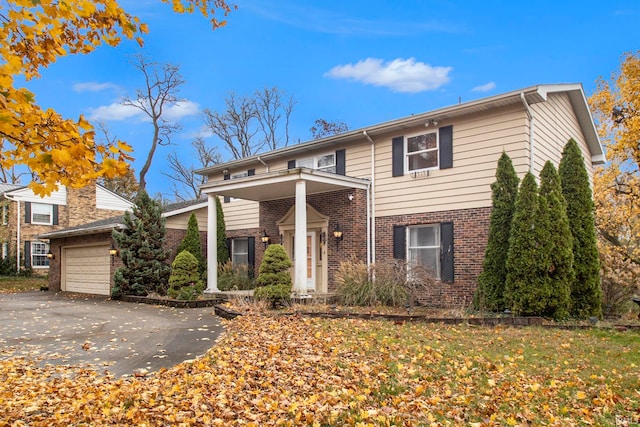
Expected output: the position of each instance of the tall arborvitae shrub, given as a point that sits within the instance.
(526, 288)
(223, 251)
(192, 243)
(586, 293)
(141, 246)
(490, 292)
(560, 244)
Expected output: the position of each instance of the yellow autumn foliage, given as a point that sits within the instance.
(34, 34)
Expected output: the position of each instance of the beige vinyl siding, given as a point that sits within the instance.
(478, 142)
(181, 221)
(241, 214)
(555, 124)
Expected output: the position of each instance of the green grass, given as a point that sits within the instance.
(21, 284)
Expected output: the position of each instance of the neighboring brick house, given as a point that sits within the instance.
(416, 188)
(26, 216)
(82, 260)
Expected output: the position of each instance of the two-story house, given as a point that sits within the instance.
(26, 216)
(416, 188)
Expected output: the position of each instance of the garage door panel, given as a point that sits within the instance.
(87, 270)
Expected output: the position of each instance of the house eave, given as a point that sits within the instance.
(59, 234)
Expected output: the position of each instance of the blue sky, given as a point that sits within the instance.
(359, 62)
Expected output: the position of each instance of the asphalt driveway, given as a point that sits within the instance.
(118, 337)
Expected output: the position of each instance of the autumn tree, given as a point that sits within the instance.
(616, 108)
(491, 281)
(185, 182)
(35, 34)
(586, 293)
(559, 241)
(252, 124)
(322, 128)
(142, 252)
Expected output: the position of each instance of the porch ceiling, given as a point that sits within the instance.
(282, 184)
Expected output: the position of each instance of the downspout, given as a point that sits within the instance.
(265, 165)
(532, 146)
(371, 208)
(17, 232)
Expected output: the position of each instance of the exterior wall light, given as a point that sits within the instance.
(113, 251)
(338, 234)
(50, 255)
(265, 238)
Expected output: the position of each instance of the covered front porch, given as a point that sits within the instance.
(287, 217)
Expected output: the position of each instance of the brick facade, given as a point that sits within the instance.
(471, 231)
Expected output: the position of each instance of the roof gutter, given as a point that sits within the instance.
(532, 122)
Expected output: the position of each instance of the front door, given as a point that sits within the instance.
(310, 259)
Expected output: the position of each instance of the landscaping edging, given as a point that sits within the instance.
(171, 302)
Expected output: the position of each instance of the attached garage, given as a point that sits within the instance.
(86, 269)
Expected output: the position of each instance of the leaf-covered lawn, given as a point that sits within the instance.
(20, 284)
(294, 371)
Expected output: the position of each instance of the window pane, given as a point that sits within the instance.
(422, 142)
(305, 163)
(240, 249)
(423, 236)
(39, 254)
(328, 160)
(41, 213)
(425, 160)
(429, 258)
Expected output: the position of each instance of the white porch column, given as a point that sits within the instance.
(212, 245)
(300, 240)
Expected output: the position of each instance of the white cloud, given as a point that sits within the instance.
(116, 112)
(180, 109)
(94, 87)
(485, 87)
(113, 112)
(400, 75)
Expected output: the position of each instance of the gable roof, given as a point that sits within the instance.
(4, 188)
(533, 95)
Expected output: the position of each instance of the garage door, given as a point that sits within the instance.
(87, 269)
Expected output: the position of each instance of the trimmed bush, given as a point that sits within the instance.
(586, 293)
(489, 294)
(184, 282)
(274, 280)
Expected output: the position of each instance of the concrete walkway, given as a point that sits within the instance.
(121, 338)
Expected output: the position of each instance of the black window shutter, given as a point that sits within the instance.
(227, 177)
(55, 215)
(341, 167)
(27, 254)
(251, 256)
(291, 164)
(399, 242)
(228, 243)
(251, 172)
(397, 156)
(27, 212)
(446, 251)
(446, 147)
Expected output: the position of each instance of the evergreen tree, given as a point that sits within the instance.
(560, 244)
(490, 292)
(142, 251)
(192, 243)
(586, 293)
(184, 282)
(223, 251)
(274, 279)
(526, 290)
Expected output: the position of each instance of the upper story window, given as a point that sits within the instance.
(41, 214)
(422, 152)
(325, 162)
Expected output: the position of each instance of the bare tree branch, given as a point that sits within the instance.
(162, 84)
